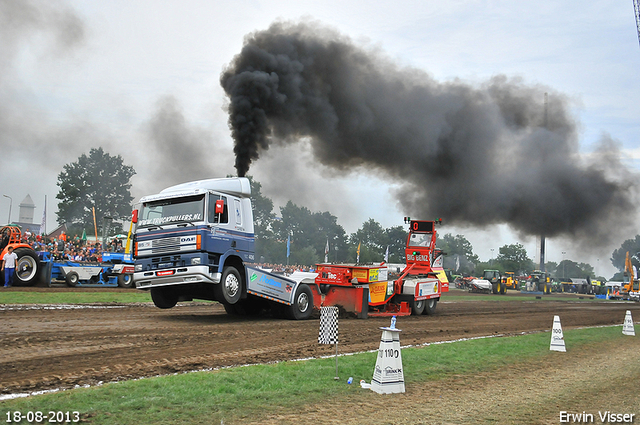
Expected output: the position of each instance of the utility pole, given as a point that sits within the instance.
(10, 205)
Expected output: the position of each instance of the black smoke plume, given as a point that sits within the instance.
(474, 155)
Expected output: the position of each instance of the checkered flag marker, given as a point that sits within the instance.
(329, 329)
(328, 325)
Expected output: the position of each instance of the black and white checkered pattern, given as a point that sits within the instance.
(328, 325)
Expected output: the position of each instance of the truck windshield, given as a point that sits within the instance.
(420, 239)
(170, 211)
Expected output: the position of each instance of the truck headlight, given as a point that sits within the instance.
(138, 268)
(195, 261)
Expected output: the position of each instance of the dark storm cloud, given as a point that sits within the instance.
(475, 155)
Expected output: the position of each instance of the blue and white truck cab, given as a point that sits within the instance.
(192, 241)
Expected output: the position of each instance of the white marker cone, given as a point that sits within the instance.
(627, 327)
(388, 376)
(557, 338)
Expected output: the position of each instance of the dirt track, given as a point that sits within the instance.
(45, 347)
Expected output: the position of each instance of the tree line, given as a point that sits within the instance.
(100, 184)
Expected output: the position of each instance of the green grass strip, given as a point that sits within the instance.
(53, 297)
(252, 391)
(134, 296)
(520, 297)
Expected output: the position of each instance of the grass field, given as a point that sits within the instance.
(236, 394)
(53, 297)
(135, 296)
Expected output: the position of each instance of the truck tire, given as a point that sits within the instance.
(502, 288)
(72, 279)
(417, 307)
(27, 267)
(302, 305)
(164, 297)
(229, 290)
(494, 288)
(430, 306)
(125, 280)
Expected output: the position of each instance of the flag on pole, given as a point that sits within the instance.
(386, 255)
(288, 246)
(358, 258)
(326, 252)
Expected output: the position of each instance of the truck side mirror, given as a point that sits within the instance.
(219, 206)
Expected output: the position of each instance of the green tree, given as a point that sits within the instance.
(619, 255)
(458, 252)
(310, 233)
(514, 258)
(370, 239)
(266, 246)
(568, 269)
(99, 181)
(396, 239)
(374, 241)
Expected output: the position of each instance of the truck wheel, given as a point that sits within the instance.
(430, 306)
(164, 297)
(27, 267)
(417, 307)
(125, 280)
(72, 279)
(229, 290)
(302, 305)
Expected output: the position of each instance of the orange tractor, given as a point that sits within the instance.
(28, 264)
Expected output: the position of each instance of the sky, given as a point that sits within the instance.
(142, 80)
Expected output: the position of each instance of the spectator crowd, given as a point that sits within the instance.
(64, 248)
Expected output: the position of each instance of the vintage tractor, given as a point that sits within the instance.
(28, 264)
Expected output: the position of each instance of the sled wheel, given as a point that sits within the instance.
(302, 305)
(125, 280)
(417, 307)
(430, 306)
(72, 279)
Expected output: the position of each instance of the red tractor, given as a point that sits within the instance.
(28, 264)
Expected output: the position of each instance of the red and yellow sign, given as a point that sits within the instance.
(377, 292)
